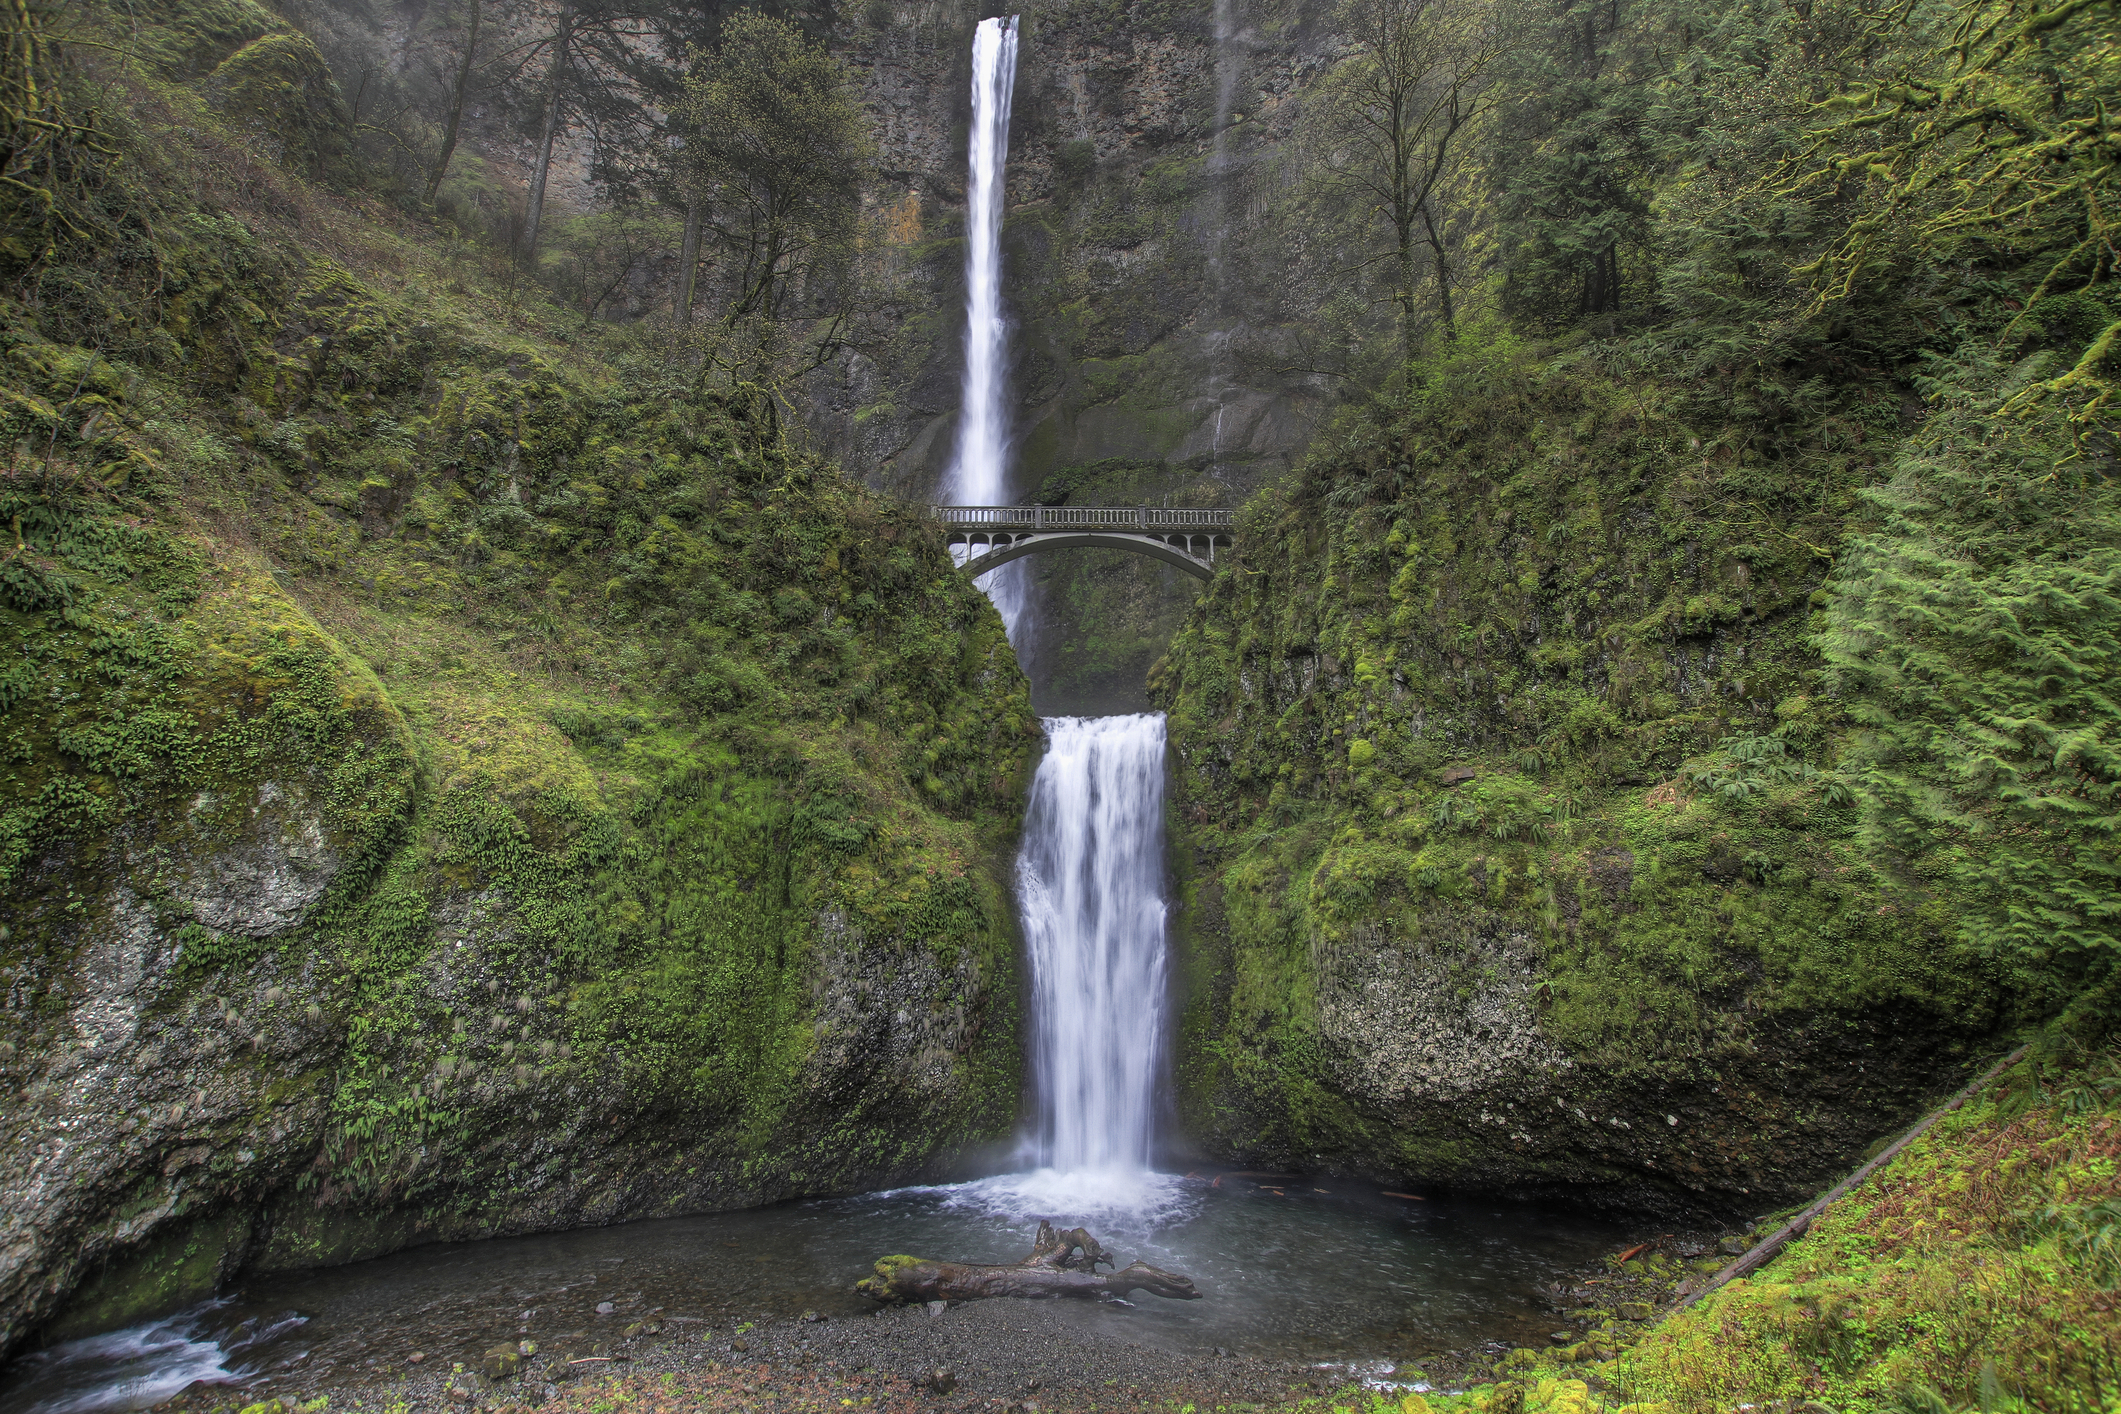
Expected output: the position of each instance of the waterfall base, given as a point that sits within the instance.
(1348, 1277)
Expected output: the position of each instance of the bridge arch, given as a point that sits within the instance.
(992, 536)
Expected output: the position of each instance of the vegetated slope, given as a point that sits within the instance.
(1977, 1270)
(1658, 760)
(458, 779)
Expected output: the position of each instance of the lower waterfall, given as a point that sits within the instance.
(1090, 876)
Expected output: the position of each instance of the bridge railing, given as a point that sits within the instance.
(1037, 518)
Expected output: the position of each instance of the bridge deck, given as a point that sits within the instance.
(991, 536)
(1146, 519)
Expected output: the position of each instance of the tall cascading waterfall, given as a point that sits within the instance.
(976, 475)
(1091, 878)
(1090, 874)
(1227, 71)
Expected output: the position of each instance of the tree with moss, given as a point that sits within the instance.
(1976, 631)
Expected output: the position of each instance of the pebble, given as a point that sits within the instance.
(605, 1308)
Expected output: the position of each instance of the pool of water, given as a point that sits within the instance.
(1320, 1270)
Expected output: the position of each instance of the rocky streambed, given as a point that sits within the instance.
(1015, 1355)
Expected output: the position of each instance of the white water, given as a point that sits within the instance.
(140, 1365)
(1090, 875)
(1228, 69)
(977, 470)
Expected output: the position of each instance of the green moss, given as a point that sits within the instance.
(1443, 697)
(594, 689)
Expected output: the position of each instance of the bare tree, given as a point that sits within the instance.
(1397, 112)
(458, 90)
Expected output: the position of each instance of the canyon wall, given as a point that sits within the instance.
(1164, 287)
(458, 783)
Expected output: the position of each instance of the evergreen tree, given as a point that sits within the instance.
(775, 149)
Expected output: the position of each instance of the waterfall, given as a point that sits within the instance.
(1091, 877)
(975, 477)
(1227, 71)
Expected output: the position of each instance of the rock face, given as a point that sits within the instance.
(195, 1075)
(1487, 885)
(1161, 287)
(271, 869)
(1437, 1062)
(1432, 1024)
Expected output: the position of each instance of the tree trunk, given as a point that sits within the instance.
(536, 214)
(1443, 273)
(689, 262)
(1408, 333)
(1060, 1264)
(456, 106)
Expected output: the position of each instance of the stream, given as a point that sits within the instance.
(1345, 1276)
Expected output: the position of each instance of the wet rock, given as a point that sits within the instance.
(500, 1362)
(740, 1345)
(605, 1308)
(262, 882)
(936, 1308)
(940, 1380)
(1634, 1311)
(416, 1357)
(1733, 1246)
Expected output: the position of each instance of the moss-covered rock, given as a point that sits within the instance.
(456, 782)
(1514, 853)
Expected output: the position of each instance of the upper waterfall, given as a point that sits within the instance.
(977, 470)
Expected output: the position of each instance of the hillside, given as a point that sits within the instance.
(463, 779)
(1648, 754)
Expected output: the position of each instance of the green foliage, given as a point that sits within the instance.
(532, 634)
(1975, 634)
(1966, 1275)
(1987, 138)
(775, 151)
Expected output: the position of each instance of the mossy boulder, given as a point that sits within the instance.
(278, 90)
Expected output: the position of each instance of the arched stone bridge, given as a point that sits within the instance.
(991, 536)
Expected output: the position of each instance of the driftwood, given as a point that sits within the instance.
(1769, 1247)
(1060, 1264)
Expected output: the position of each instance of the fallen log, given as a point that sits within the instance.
(1060, 1264)
(1770, 1246)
